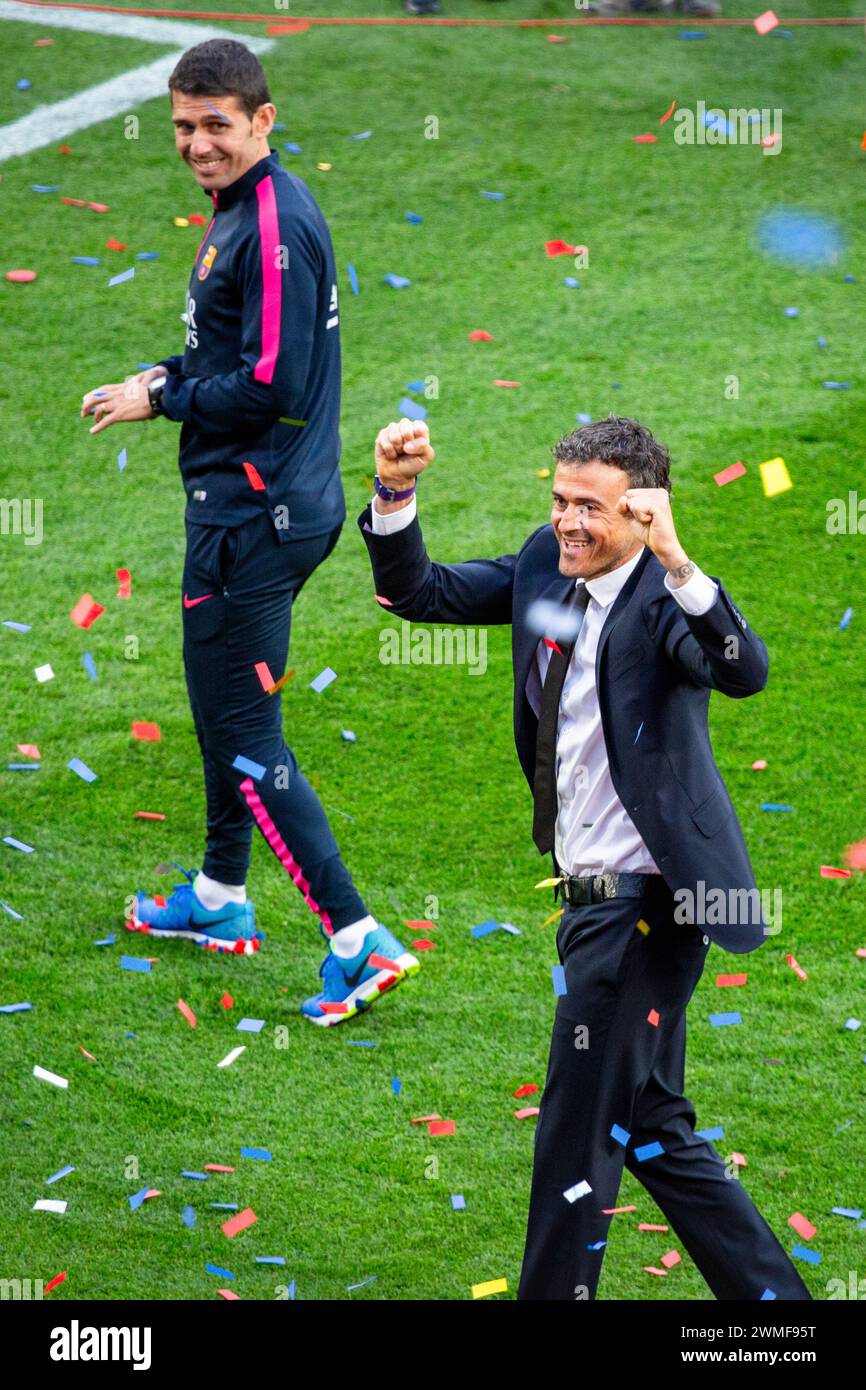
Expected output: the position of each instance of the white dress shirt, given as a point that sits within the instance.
(594, 833)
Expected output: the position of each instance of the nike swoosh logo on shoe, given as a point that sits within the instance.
(191, 602)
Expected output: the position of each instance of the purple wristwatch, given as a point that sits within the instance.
(388, 494)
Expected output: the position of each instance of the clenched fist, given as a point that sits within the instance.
(402, 452)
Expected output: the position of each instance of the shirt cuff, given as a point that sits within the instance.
(385, 524)
(697, 595)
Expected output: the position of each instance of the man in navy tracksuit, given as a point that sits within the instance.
(257, 392)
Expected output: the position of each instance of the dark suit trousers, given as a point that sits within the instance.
(625, 1071)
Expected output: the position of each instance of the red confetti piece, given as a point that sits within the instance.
(855, 855)
(726, 981)
(152, 1192)
(196, 220)
(86, 611)
(422, 944)
(505, 383)
(668, 113)
(29, 750)
(440, 1127)
(673, 1257)
(149, 815)
(770, 140)
(64, 149)
(43, 43)
(264, 675)
(218, 1168)
(416, 926)
(759, 765)
(112, 245)
(559, 248)
(86, 1053)
(425, 1119)
(556, 38)
(338, 1008)
(651, 1269)
(254, 477)
(653, 1017)
(229, 1295)
(479, 335)
(21, 277)
(798, 969)
(74, 202)
(727, 475)
(765, 22)
(647, 1226)
(238, 1223)
(385, 602)
(827, 871)
(527, 1090)
(616, 1211)
(146, 732)
(124, 579)
(527, 1113)
(739, 1160)
(58, 1278)
(647, 139)
(292, 26)
(863, 141)
(383, 963)
(803, 1227)
(159, 900)
(861, 952)
(187, 1013)
(549, 642)
(227, 1001)
(99, 207)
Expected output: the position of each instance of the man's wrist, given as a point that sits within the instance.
(679, 566)
(384, 508)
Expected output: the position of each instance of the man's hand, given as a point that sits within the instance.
(402, 452)
(649, 512)
(118, 403)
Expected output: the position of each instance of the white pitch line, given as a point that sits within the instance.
(115, 97)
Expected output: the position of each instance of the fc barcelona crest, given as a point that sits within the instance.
(207, 261)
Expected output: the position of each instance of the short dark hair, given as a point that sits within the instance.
(222, 67)
(622, 443)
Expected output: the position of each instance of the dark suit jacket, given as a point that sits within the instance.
(655, 666)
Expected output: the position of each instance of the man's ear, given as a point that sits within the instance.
(263, 120)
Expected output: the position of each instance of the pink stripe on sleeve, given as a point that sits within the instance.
(272, 284)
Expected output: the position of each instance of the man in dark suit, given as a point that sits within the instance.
(617, 638)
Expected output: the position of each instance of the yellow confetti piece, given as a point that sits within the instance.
(549, 882)
(558, 913)
(775, 477)
(369, 482)
(492, 1286)
(181, 221)
(542, 473)
(643, 926)
(325, 167)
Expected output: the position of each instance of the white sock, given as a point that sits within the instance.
(214, 895)
(349, 941)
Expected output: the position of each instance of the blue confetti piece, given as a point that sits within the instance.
(717, 1132)
(12, 913)
(291, 147)
(693, 34)
(413, 217)
(849, 279)
(86, 260)
(810, 1257)
(14, 1008)
(223, 118)
(132, 1035)
(106, 940)
(18, 844)
(497, 196)
(364, 135)
(147, 256)
(278, 125)
(571, 282)
(135, 963)
(363, 1283)
(323, 680)
(137, 1198)
(188, 1217)
(61, 1173)
(45, 187)
(766, 1296)
(599, 1245)
(411, 409)
(846, 619)
(348, 736)
(717, 122)
(559, 985)
(397, 282)
(353, 278)
(485, 928)
(853, 1212)
(18, 627)
(639, 732)
(725, 1020)
(23, 84)
(836, 385)
(264, 1155)
(224, 1206)
(822, 341)
(510, 928)
(458, 1201)
(415, 386)
(774, 806)
(584, 418)
(270, 1259)
(215, 1269)
(792, 313)
(255, 770)
(89, 665)
(395, 1085)
(124, 275)
(646, 1151)
(852, 1024)
(23, 767)
(621, 1136)
(81, 769)
(199, 1177)
(356, 1042)
(292, 1290)
(251, 1025)
(783, 33)
(121, 460)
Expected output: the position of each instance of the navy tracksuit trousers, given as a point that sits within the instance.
(239, 584)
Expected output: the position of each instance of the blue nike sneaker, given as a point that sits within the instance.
(353, 984)
(231, 928)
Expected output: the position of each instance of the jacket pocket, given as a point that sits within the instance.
(711, 815)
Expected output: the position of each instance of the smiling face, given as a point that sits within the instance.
(593, 536)
(217, 139)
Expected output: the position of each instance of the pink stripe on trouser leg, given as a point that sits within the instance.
(281, 850)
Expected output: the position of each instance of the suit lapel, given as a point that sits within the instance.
(617, 608)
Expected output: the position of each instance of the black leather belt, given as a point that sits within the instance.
(595, 888)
